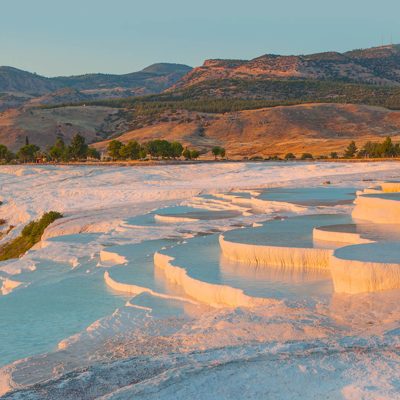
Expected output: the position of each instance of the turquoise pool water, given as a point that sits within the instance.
(202, 259)
(34, 319)
(181, 212)
(314, 196)
(290, 232)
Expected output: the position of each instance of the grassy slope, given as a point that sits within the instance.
(30, 235)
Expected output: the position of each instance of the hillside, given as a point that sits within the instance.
(316, 128)
(266, 106)
(43, 127)
(153, 79)
(379, 65)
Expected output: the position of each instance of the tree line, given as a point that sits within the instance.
(157, 148)
(385, 149)
(77, 150)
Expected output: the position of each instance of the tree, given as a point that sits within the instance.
(3, 151)
(93, 153)
(370, 149)
(290, 156)
(388, 148)
(142, 152)
(307, 156)
(216, 151)
(78, 148)
(351, 150)
(187, 154)
(397, 149)
(57, 152)
(113, 149)
(164, 149)
(176, 149)
(194, 154)
(26, 140)
(130, 151)
(5, 154)
(159, 148)
(27, 153)
(334, 155)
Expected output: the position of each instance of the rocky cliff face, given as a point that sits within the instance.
(379, 65)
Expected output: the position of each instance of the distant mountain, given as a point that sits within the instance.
(378, 65)
(16, 80)
(152, 79)
(269, 105)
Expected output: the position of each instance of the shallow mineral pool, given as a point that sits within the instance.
(314, 196)
(202, 259)
(374, 232)
(290, 232)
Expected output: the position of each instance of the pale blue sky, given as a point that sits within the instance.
(53, 37)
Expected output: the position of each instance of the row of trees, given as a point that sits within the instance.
(385, 149)
(77, 150)
(154, 148)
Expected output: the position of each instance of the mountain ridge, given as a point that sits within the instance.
(376, 65)
(264, 106)
(16, 80)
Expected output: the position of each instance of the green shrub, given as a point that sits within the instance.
(290, 156)
(30, 235)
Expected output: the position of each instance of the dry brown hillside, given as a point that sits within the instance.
(316, 128)
(44, 126)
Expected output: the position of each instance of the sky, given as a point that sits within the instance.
(53, 37)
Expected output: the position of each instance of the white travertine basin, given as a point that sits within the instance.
(138, 275)
(356, 233)
(381, 208)
(199, 215)
(204, 274)
(390, 186)
(284, 243)
(366, 267)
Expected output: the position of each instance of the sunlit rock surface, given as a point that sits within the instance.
(366, 268)
(356, 233)
(286, 243)
(378, 208)
(112, 325)
(223, 279)
(390, 186)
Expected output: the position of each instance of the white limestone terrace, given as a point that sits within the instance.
(136, 273)
(382, 208)
(174, 358)
(390, 186)
(366, 267)
(198, 267)
(195, 215)
(286, 243)
(356, 233)
(184, 213)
